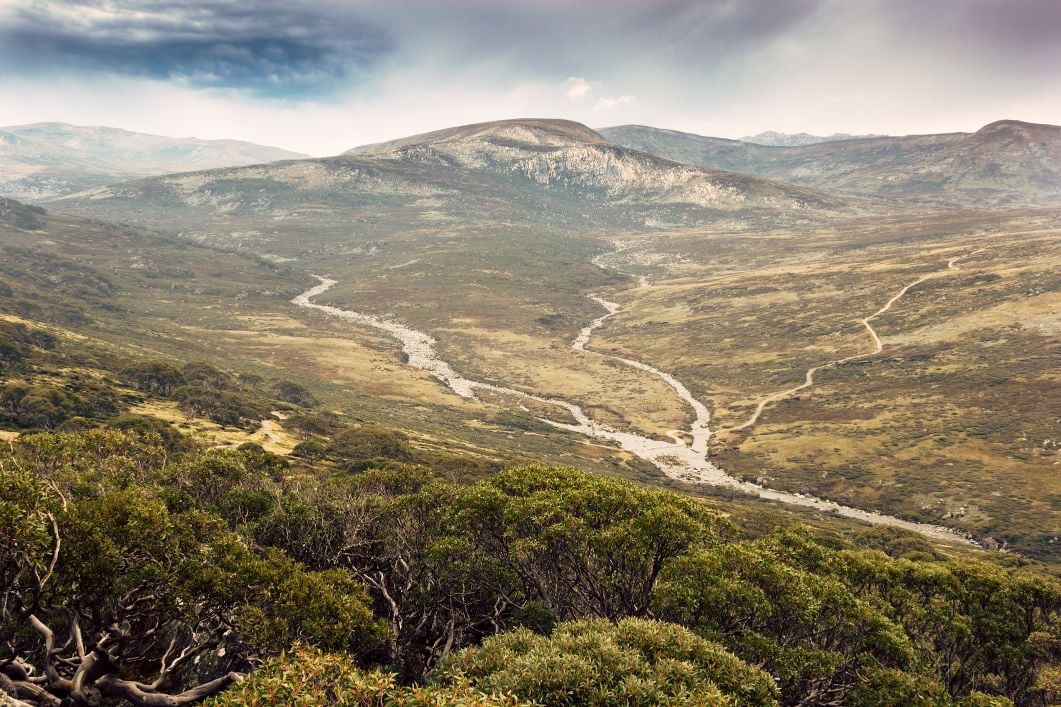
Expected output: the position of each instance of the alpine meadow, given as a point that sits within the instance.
(440, 405)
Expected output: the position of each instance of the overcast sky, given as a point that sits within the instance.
(321, 76)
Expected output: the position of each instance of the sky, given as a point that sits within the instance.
(322, 76)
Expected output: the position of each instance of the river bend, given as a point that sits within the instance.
(677, 459)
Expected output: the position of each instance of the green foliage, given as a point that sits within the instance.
(142, 425)
(225, 407)
(280, 603)
(206, 375)
(294, 393)
(17, 340)
(305, 677)
(897, 542)
(45, 406)
(590, 662)
(534, 584)
(309, 424)
(309, 449)
(750, 597)
(535, 616)
(155, 377)
(596, 662)
(974, 624)
(27, 537)
(136, 571)
(88, 463)
(588, 545)
(358, 445)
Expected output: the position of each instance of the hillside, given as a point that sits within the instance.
(531, 170)
(565, 155)
(1006, 163)
(514, 177)
(317, 499)
(44, 160)
(497, 240)
(168, 492)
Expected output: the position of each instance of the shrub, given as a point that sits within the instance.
(154, 377)
(310, 449)
(367, 443)
(596, 662)
(307, 677)
(294, 393)
(172, 439)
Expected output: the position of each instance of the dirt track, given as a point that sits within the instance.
(878, 346)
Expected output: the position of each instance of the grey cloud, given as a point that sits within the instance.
(313, 48)
(558, 37)
(268, 47)
(1011, 27)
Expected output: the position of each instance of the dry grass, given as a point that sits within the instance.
(272, 437)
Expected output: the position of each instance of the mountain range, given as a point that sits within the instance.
(555, 170)
(651, 170)
(45, 160)
(1005, 163)
(776, 139)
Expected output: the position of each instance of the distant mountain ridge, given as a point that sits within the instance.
(775, 139)
(569, 155)
(1005, 163)
(45, 160)
(556, 172)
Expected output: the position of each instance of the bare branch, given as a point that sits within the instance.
(55, 554)
(49, 647)
(14, 692)
(112, 686)
(75, 631)
(55, 487)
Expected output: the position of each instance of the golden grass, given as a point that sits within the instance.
(612, 392)
(271, 436)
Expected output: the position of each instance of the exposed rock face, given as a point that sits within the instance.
(535, 172)
(46, 160)
(1005, 163)
(569, 155)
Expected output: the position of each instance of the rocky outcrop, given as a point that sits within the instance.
(565, 155)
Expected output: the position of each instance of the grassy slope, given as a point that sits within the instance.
(498, 273)
(953, 422)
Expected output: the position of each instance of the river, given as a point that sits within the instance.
(676, 458)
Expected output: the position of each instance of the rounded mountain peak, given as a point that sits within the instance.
(1034, 131)
(553, 132)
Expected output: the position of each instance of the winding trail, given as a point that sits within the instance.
(878, 346)
(685, 462)
(269, 430)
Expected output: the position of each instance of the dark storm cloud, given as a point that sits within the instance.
(305, 48)
(311, 48)
(271, 48)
